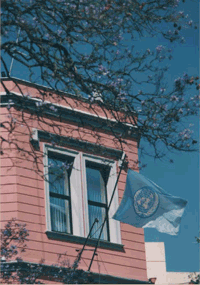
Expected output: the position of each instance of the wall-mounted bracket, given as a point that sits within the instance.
(35, 139)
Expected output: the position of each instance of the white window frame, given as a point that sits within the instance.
(75, 189)
(114, 226)
(78, 189)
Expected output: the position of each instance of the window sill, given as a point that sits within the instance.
(81, 240)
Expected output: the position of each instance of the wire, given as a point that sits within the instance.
(98, 228)
(103, 264)
(98, 268)
(11, 65)
(84, 261)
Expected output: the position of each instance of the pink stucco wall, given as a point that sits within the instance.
(23, 195)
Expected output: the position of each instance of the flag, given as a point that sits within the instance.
(146, 205)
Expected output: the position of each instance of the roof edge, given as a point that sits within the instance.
(65, 113)
(46, 88)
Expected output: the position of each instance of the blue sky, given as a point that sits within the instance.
(182, 177)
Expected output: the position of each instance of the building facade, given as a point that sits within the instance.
(157, 270)
(60, 163)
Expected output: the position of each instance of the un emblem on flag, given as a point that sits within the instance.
(146, 202)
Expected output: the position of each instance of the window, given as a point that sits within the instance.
(59, 192)
(78, 190)
(96, 179)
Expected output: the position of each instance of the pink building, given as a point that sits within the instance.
(58, 171)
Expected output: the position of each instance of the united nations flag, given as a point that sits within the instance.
(146, 205)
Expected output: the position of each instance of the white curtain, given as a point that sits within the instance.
(96, 192)
(59, 207)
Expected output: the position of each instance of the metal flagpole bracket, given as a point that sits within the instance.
(35, 139)
(123, 163)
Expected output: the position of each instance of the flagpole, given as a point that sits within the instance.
(80, 253)
(97, 243)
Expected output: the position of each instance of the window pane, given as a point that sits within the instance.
(99, 213)
(59, 210)
(58, 177)
(95, 185)
(59, 183)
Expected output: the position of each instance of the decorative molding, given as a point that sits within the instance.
(74, 143)
(63, 113)
(81, 240)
